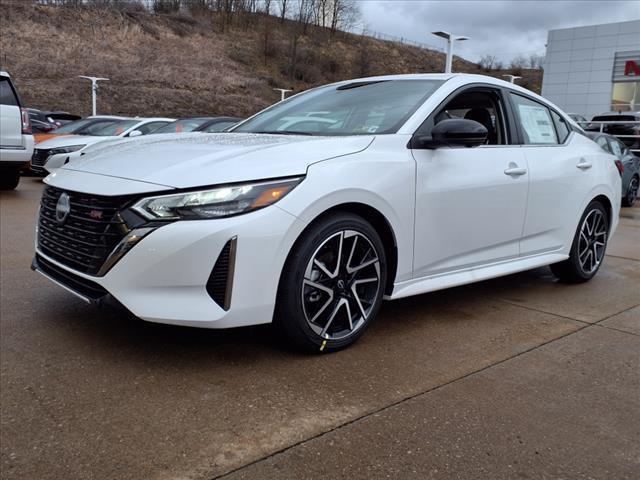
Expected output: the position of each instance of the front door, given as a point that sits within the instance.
(470, 202)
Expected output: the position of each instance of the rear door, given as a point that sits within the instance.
(560, 176)
(10, 120)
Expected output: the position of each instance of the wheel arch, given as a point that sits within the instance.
(606, 202)
(379, 222)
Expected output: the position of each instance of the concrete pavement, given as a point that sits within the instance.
(465, 383)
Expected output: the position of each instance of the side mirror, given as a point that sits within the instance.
(135, 133)
(453, 132)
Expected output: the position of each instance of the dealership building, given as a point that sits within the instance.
(594, 69)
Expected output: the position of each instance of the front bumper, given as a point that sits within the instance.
(163, 278)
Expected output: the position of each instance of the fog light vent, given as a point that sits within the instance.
(220, 283)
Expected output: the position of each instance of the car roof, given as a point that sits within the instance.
(4, 74)
(154, 119)
(110, 117)
(634, 113)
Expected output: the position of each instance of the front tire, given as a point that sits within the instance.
(630, 198)
(332, 285)
(588, 247)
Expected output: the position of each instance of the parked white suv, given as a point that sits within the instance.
(16, 140)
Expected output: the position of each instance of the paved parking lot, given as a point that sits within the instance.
(518, 377)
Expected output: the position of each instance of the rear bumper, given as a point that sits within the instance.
(19, 155)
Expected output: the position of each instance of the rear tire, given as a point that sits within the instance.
(332, 284)
(9, 179)
(588, 247)
(630, 198)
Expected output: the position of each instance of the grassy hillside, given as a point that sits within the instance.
(186, 64)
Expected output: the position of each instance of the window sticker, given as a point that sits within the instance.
(537, 123)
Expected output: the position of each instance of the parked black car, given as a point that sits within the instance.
(629, 131)
(199, 124)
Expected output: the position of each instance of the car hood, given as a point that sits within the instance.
(68, 140)
(197, 159)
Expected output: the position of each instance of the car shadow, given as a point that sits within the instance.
(109, 329)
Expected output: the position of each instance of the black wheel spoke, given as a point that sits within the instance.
(341, 285)
(592, 241)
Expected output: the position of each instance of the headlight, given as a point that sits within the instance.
(69, 149)
(217, 202)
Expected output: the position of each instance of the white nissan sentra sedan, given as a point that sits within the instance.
(313, 211)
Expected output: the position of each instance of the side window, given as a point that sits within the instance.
(615, 148)
(7, 95)
(535, 121)
(602, 141)
(483, 106)
(561, 127)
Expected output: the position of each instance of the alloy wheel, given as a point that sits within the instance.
(592, 241)
(632, 191)
(341, 284)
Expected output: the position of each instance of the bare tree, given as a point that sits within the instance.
(306, 10)
(519, 61)
(536, 61)
(488, 62)
(344, 14)
(283, 9)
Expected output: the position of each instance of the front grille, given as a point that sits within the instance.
(220, 281)
(39, 158)
(88, 235)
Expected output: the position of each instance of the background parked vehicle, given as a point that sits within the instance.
(579, 119)
(57, 119)
(624, 125)
(16, 140)
(79, 127)
(38, 126)
(628, 165)
(199, 124)
(219, 124)
(55, 152)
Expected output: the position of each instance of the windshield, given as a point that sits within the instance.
(218, 127)
(184, 125)
(75, 127)
(112, 129)
(356, 108)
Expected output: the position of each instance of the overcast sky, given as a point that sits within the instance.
(501, 28)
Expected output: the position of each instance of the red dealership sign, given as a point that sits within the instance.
(631, 68)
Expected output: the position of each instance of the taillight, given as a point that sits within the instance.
(26, 123)
(620, 167)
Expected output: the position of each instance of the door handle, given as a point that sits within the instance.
(514, 170)
(584, 165)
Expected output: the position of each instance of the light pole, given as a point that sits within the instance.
(450, 38)
(94, 89)
(283, 92)
(512, 78)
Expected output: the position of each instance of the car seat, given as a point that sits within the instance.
(482, 116)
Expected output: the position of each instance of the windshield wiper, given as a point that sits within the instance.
(283, 132)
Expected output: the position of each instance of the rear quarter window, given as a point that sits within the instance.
(7, 94)
(562, 128)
